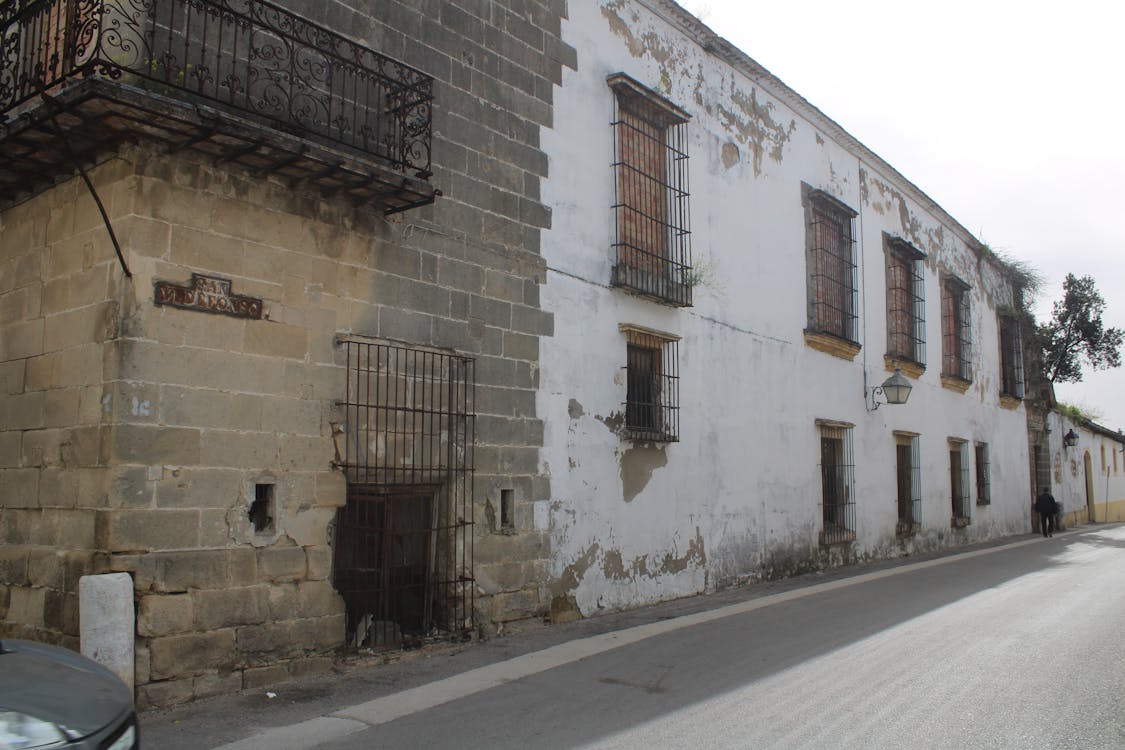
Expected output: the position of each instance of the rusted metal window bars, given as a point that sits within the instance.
(1011, 357)
(837, 477)
(652, 249)
(956, 329)
(959, 481)
(909, 475)
(906, 305)
(832, 273)
(984, 490)
(652, 408)
(1041, 460)
(404, 541)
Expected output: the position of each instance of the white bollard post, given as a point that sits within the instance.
(107, 622)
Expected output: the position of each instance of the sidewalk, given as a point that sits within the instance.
(379, 688)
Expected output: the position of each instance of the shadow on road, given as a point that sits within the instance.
(754, 646)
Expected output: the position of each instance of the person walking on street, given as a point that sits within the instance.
(1046, 507)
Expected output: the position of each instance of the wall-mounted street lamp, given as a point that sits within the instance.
(1070, 439)
(895, 389)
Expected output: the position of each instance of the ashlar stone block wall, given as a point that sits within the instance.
(140, 432)
(60, 292)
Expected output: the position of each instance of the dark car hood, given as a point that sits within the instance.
(60, 686)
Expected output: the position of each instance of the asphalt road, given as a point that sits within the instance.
(1017, 646)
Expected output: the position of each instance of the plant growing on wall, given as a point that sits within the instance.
(1080, 412)
(1076, 333)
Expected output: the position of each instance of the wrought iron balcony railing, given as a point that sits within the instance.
(251, 56)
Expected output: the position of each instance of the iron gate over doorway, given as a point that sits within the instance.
(403, 542)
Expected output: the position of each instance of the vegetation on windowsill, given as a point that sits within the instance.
(703, 273)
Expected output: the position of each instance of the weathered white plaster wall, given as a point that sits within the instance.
(739, 495)
(1094, 491)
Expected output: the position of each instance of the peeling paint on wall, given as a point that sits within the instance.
(614, 422)
(573, 574)
(758, 517)
(613, 565)
(574, 409)
(648, 42)
(637, 465)
(730, 155)
(614, 568)
(750, 119)
(695, 554)
(754, 123)
(885, 200)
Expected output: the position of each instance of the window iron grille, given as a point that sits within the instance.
(837, 483)
(906, 303)
(984, 477)
(652, 408)
(956, 330)
(1011, 358)
(959, 482)
(909, 475)
(832, 268)
(651, 207)
(1042, 466)
(404, 541)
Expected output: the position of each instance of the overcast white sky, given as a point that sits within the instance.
(1009, 114)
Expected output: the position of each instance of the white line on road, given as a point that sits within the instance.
(300, 736)
(308, 734)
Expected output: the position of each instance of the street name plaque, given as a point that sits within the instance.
(210, 294)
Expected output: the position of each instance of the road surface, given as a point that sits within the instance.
(1016, 646)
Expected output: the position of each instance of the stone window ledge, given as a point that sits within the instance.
(1009, 402)
(834, 345)
(909, 367)
(954, 383)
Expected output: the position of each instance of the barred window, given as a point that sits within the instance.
(984, 493)
(1011, 357)
(1042, 468)
(959, 481)
(906, 302)
(837, 483)
(956, 338)
(652, 408)
(653, 253)
(830, 252)
(909, 476)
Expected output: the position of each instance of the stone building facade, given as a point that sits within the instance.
(741, 279)
(300, 317)
(1086, 464)
(496, 310)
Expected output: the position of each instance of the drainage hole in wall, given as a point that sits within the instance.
(507, 510)
(261, 509)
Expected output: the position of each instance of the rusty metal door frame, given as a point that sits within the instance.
(409, 431)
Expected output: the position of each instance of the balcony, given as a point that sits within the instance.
(240, 81)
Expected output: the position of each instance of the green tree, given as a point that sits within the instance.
(1075, 332)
